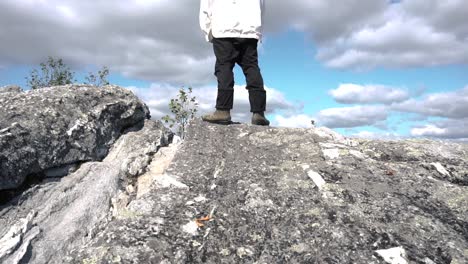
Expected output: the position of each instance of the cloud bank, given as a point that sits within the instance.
(447, 112)
(159, 40)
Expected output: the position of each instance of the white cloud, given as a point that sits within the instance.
(160, 40)
(449, 104)
(327, 20)
(347, 117)
(376, 135)
(413, 33)
(301, 120)
(449, 15)
(451, 109)
(446, 128)
(364, 94)
(149, 40)
(428, 130)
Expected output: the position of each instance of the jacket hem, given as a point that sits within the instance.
(233, 35)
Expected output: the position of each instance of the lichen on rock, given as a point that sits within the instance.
(112, 189)
(261, 204)
(62, 212)
(56, 126)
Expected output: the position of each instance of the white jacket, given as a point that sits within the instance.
(232, 18)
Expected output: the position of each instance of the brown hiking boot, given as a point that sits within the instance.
(218, 117)
(259, 119)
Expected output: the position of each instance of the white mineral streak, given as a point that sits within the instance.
(78, 123)
(357, 154)
(328, 145)
(395, 255)
(200, 198)
(440, 168)
(212, 212)
(428, 261)
(241, 135)
(317, 178)
(166, 181)
(10, 241)
(242, 252)
(191, 228)
(21, 251)
(207, 232)
(5, 130)
(331, 153)
(158, 166)
(176, 139)
(218, 170)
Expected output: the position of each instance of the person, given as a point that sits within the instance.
(234, 27)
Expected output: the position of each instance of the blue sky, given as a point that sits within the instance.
(383, 70)
(302, 78)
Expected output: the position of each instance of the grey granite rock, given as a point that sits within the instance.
(247, 194)
(57, 126)
(10, 89)
(42, 224)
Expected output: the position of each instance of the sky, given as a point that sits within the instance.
(365, 68)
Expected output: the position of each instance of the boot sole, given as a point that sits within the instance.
(260, 123)
(263, 124)
(219, 122)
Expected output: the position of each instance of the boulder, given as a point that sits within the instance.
(46, 129)
(248, 194)
(111, 192)
(53, 217)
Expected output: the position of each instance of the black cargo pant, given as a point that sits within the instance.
(242, 51)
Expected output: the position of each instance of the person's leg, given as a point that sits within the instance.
(248, 60)
(226, 56)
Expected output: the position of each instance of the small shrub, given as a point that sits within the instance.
(183, 108)
(98, 79)
(53, 72)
